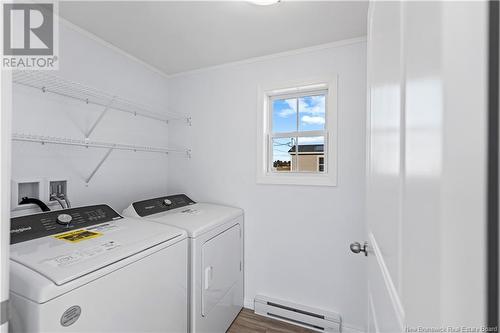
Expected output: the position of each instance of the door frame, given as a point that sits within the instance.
(5, 176)
(492, 228)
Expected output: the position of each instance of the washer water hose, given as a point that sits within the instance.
(61, 198)
(39, 203)
(55, 197)
(65, 198)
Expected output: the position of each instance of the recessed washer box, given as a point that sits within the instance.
(25, 188)
(57, 187)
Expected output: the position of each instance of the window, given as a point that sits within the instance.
(298, 135)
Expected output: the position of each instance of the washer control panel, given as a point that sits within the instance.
(162, 204)
(25, 228)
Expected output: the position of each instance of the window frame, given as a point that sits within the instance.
(297, 89)
(296, 134)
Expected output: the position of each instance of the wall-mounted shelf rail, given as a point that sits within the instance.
(49, 83)
(95, 144)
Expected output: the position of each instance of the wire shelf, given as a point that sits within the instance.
(94, 144)
(48, 83)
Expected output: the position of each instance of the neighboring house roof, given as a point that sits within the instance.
(309, 149)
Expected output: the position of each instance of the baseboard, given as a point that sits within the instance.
(349, 329)
(346, 328)
(248, 304)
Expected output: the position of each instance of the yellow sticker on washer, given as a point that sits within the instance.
(78, 235)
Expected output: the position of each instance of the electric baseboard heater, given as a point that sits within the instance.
(301, 315)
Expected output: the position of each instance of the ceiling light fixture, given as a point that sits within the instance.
(264, 2)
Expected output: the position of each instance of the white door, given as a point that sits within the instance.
(384, 166)
(221, 262)
(426, 165)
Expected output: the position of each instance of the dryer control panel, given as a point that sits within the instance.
(162, 204)
(25, 228)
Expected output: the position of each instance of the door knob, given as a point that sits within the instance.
(356, 247)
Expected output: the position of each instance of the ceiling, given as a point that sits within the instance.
(178, 36)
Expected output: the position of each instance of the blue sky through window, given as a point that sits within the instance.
(296, 114)
(311, 113)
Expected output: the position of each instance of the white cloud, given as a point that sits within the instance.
(311, 140)
(291, 110)
(285, 113)
(310, 120)
(292, 104)
(316, 105)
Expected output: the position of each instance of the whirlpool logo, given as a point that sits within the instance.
(29, 36)
(20, 230)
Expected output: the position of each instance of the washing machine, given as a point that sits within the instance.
(215, 234)
(88, 269)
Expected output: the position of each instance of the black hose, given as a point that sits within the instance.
(37, 202)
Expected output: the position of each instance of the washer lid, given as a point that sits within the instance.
(198, 218)
(64, 257)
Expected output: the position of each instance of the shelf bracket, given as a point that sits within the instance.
(98, 120)
(99, 165)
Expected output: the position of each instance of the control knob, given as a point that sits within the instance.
(167, 202)
(64, 219)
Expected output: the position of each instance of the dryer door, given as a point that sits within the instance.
(221, 260)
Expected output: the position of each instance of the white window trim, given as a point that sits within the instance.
(329, 178)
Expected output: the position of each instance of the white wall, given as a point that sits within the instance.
(297, 237)
(125, 176)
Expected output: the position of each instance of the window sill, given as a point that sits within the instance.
(297, 179)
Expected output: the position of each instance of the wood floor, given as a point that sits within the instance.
(248, 322)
